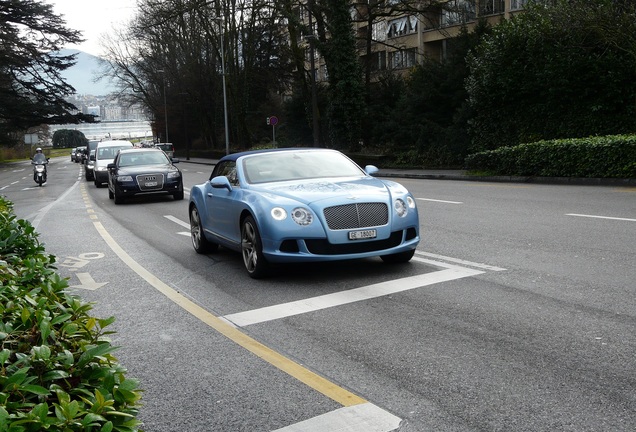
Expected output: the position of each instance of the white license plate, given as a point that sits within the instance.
(360, 235)
(151, 184)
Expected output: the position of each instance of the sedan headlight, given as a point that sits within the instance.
(279, 213)
(302, 216)
(124, 178)
(174, 174)
(101, 168)
(400, 207)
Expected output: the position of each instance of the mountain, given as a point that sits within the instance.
(84, 72)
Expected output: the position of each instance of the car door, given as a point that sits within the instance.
(224, 206)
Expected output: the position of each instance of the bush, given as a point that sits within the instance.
(57, 371)
(594, 157)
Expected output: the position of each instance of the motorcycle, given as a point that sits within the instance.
(39, 170)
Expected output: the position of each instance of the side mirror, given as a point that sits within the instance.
(371, 169)
(111, 166)
(221, 182)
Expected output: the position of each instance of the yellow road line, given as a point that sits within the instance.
(302, 374)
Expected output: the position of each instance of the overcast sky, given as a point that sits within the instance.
(93, 18)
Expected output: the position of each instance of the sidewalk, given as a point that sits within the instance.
(463, 176)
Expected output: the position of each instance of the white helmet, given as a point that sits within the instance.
(38, 150)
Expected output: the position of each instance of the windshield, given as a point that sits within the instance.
(39, 157)
(298, 165)
(142, 158)
(108, 152)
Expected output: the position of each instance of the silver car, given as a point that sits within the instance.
(105, 153)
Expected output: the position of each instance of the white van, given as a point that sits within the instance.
(105, 153)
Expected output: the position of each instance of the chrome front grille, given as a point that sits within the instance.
(150, 182)
(352, 216)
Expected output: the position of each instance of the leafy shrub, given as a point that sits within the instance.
(594, 157)
(57, 371)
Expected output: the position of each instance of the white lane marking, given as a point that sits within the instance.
(439, 201)
(285, 310)
(458, 261)
(39, 215)
(185, 233)
(358, 418)
(601, 217)
(178, 221)
(11, 184)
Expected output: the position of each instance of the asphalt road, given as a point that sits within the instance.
(517, 313)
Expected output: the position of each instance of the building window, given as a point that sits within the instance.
(458, 12)
(402, 26)
(379, 31)
(491, 7)
(517, 4)
(403, 59)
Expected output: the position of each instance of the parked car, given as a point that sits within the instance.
(166, 147)
(301, 205)
(88, 163)
(105, 153)
(143, 171)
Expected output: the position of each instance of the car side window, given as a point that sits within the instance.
(228, 169)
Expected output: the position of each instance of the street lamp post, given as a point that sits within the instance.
(165, 104)
(227, 132)
(314, 98)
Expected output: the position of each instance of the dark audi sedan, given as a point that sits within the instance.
(142, 171)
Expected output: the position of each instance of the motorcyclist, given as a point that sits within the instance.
(39, 159)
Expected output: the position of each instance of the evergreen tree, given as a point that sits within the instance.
(32, 90)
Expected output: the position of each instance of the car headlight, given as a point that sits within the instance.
(124, 178)
(400, 207)
(101, 168)
(174, 174)
(279, 213)
(302, 216)
(410, 201)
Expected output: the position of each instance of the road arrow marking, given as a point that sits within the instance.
(87, 282)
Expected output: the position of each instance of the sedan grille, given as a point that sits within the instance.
(150, 182)
(352, 216)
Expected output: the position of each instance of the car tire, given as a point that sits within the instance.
(252, 249)
(398, 258)
(201, 244)
(97, 184)
(118, 198)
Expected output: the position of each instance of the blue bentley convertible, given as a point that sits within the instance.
(301, 205)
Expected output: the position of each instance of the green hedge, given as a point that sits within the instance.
(57, 370)
(595, 157)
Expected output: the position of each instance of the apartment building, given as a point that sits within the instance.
(398, 42)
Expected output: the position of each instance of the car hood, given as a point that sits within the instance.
(144, 169)
(312, 191)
